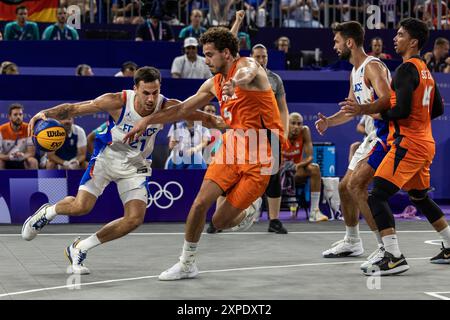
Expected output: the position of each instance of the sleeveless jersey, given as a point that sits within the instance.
(294, 151)
(417, 127)
(108, 142)
(365, 94)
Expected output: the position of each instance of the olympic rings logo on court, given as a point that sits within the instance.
(163, 191)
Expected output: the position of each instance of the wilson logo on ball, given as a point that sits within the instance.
(49, 135)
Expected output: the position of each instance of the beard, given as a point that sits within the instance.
(17, 122)
(345, 54)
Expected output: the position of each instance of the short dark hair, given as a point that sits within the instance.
(377, 39)
(417, 29)
(146, 74)
(222, 39)
(351, 29)
(14, 106)
(128, 65)
(22, 7)
(441, 41)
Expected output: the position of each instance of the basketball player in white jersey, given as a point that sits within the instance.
(369, 77)
(125, 164)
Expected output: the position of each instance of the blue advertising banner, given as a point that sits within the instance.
(22, 192)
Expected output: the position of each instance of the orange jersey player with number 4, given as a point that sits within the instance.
(415, 101)
(248, 106)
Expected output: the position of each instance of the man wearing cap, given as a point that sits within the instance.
(190, 65)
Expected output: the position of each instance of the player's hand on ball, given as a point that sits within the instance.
(37, 116)
(136, 132)
(350, 107)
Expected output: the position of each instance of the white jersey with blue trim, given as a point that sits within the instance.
(366, 94)
(134, 154)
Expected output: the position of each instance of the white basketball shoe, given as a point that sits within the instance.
(344, 248)
(76, 257)
(34, 224)
(179, 271)
(251, 213)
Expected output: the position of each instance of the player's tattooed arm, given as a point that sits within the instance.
(110, 102)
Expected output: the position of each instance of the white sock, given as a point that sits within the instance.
(88, 243)
(391, 245)
(445, 235)
(51, 213)
(189, 251)
(378, 237)
(352, 232)
(315, 198)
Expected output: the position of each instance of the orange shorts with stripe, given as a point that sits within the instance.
(242, 183)
(407, 165)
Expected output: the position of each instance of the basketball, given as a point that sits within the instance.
(49, 135)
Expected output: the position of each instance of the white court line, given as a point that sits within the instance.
(224, 233)
(207, 271)
(437, 295)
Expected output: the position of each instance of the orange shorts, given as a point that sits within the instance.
(242, 183)
(408, 166)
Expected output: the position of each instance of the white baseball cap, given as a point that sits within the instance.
(190, 42)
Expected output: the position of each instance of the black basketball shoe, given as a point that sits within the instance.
(276, 226)
(212, 229)
(387, 265)
(443, 257)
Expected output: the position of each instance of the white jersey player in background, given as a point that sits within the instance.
(369, 77)
(128, 165)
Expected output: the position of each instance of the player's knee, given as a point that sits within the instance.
(343, 188)
(417, 195)
(32, 163)
(133, 222)
(315, 169)
(426, 205)
(199, 206)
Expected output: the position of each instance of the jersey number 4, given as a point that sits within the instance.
(427, 97)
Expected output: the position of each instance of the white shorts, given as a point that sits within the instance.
(363, 151)
(99, 174)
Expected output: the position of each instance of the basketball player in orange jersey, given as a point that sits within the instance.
(247, 102)
(415, 101)
(300, 142)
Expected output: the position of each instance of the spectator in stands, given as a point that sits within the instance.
(154, 30)
(430, 15)
(292, 60)
(60, 30)
(377, 49)
(8, 67)
(72, 154)
(436, 60)
(186, 142)
(190, 65)
(84, 5)
(127, 11)
(194, 29)
(1, 36)
(16, 148)
(300, 143)
(252, 8)
(219, 12)
(84, 70)
(300, 13)
(21, 29)
(128, 69)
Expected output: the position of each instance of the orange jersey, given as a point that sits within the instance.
(417, 127)
(14, 141)
(294, 150)
(249, 109)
